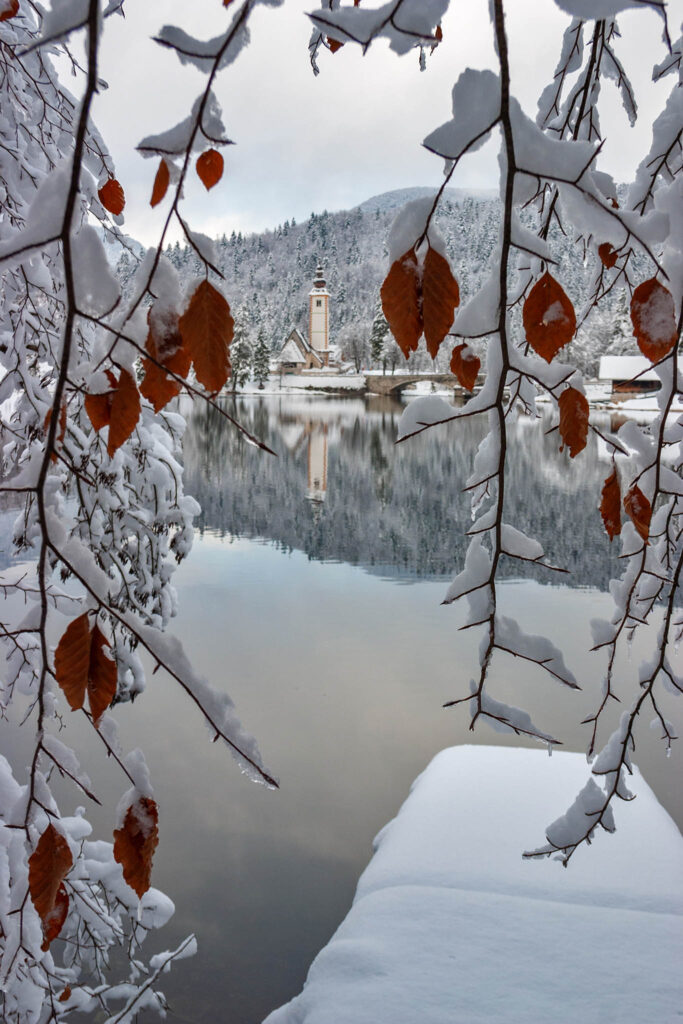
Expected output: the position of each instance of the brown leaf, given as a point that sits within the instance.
(47, 866)
(135, 843)
(11, 11)
(161, 182)
(98, 408)
(125, 412)
(573, 420)
(62, 427)
(465, 365)
(72, 661)
(207, 328)
(165, 345)
(654, 319)
(440, 296)
(334, 44)
(400, 295)
(53, 922)
(607, 254)
(610, 505)
(102, 676)
(639, 511)
(549, 318)
(66, 994)
(210, 167)
(112, 197)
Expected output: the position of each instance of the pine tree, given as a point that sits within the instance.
(378, 336)
(261, 363)
(241, 353)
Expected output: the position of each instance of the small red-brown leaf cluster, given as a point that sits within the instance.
(10, 11)
(639, 510)
(417, 299)
(573, 420)
(135, 843)
(81, 666)
(549, 318)
(118, 409)
(465, 365)
(165, 346)
(112, 197)
(610, 505)
(48, 865)
(161, 182)
(654, 319)
(607, 254)
(210, 168)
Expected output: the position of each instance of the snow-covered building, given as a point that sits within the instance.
(298, 354)
(628, 373)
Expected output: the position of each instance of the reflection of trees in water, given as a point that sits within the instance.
(398, 508)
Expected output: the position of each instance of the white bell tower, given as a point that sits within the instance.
(319, 317)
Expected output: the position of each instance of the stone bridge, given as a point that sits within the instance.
(394, 383)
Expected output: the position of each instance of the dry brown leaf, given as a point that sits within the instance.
(11, 11)
(610, 505)
(161, 183)
(66, 994)
(654, 319)
(639, 510)
(210, 168)
(135, 843)
(549, 318)
(573, 420)
(607, 254)
(102, 676)
(98, 408)
(112, 197)
(440, 296)
(165, 345)
(465, 365)
(54, 921)
(334, 44)
(400, 295)
(72, 661)
(125, 412)
(47, 867)
(207, 328)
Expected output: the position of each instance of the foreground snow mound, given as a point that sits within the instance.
(450, 926)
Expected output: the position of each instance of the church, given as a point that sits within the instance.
(316, 353)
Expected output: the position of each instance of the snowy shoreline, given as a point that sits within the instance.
(338, 385)
(450, 926)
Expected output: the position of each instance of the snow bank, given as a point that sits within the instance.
(450, 926)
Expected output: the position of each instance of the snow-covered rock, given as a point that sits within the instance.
(451, 926)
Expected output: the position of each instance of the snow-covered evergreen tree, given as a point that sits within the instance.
(261, 360)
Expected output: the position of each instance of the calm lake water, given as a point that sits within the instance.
(313, 597)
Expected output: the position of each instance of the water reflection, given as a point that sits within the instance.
(399, 510)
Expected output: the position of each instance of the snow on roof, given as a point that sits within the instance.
(626, 368)
(450, 926)
(291, 353)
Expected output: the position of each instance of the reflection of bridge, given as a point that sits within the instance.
(394, 383)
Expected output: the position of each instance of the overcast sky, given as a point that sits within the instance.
(307, 143)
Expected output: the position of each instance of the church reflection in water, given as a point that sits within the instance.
(317, 463)
(340, 488)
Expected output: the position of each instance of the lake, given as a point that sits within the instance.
(312, 596)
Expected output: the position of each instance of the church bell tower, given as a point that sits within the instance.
(319, 317)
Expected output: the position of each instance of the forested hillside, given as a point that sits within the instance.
(268, 275)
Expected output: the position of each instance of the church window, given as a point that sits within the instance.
(318, 302)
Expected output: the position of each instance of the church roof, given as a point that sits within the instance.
(291, 353)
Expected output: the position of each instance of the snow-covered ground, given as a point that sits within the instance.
(450, 926)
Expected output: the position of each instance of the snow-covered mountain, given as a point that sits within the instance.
(267, 276)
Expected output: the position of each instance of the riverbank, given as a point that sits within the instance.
(450, 926)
